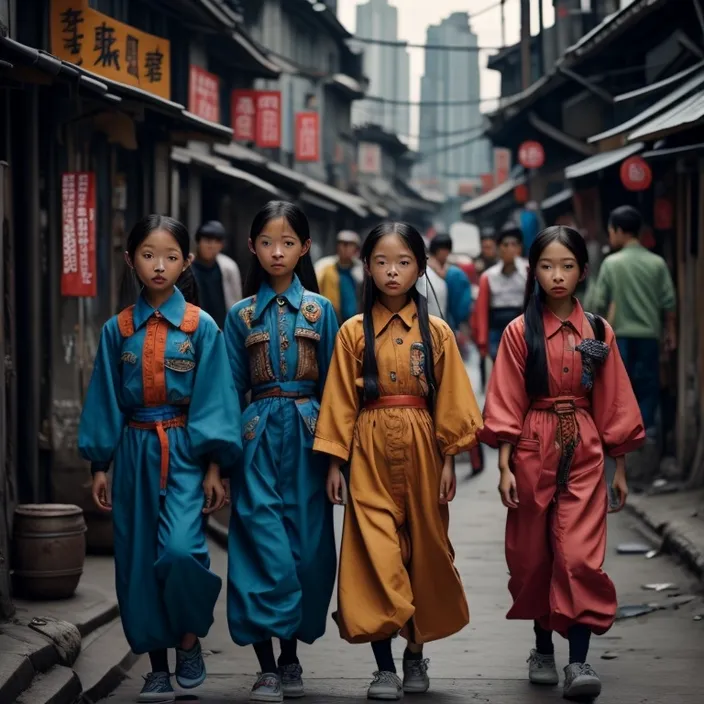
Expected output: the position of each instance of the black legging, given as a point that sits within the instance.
(265, 654)
(159, 660)
(578, 636)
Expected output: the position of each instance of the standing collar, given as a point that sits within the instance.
(293, 294)
(382, 316)
(552, 324)
(172, 309)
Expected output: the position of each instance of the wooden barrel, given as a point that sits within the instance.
(49, 549)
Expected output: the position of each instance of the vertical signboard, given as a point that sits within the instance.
(204, 94)
(268, 119)
(502, 165)
(307, 136)
(244, 115)
(78, 234)
(369, 158)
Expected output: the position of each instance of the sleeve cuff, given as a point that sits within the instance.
(494, 439)
(463, 444)
(330, 447)
(626, 447)
(99, 467)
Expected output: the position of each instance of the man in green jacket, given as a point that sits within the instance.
(634, 291)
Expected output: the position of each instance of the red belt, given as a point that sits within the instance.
(561, 405)
(161, 426)
(397, 402)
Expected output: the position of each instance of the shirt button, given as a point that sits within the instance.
(399, 341)
(566, 369)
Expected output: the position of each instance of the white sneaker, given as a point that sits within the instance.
(267, 688)
(415, 676)
(292, 681)
(542, 668)
(385, 685)
(581, 682)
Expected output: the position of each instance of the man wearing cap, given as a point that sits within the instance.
(501, 291)
(218, 276)
(340, 280)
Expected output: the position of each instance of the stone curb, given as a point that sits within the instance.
(31, 664)
(675, 540)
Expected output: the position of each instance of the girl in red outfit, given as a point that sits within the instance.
(558, 398)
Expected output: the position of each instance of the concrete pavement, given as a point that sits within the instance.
(658, 656)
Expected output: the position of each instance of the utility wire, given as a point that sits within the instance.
(427, 47)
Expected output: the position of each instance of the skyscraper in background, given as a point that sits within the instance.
(387, 67)
(449, 158)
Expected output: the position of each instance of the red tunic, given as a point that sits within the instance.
(556, 539)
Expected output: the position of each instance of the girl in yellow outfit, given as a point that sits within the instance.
(399, 406)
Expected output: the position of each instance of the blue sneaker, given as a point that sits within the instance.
(190, 668)
(157, 688)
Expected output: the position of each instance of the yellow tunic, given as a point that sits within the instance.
(397, 568)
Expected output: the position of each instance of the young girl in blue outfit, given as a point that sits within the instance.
(282, 557)
(162, 409)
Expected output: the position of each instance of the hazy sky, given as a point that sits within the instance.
(416, 15)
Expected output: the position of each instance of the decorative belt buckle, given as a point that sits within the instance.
(563, 408)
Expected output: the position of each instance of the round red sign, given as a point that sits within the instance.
(531, 155)
(636, 174)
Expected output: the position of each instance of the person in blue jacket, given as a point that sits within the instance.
(282, 557)
(162, 409)
(459, 290)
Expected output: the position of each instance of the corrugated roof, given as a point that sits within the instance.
(491, 196)
(601, 161)
(686, 113)
(662, 104)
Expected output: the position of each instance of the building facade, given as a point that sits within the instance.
(451, 146)
(387, 67)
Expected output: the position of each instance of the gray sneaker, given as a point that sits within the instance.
(157, 689)
(292, 681)
(581, 682)
(385, 685)
(267, 688)
(542, 668)
(415, 676)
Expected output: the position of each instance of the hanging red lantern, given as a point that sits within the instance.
(520, 193)
(531, 155)
(663, 214)
(647, 238)
(636, 174)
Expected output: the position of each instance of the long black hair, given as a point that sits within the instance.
(413, 239)
(536, 373)
(298, 222)
(142, 229)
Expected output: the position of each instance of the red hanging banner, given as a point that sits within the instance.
(244, 115)
(78, 276)
(204, 94)
(268, 108)
(307, 136)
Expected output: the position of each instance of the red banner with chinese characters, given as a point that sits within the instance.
(268, 107)
(243, 109)
(307, 136)
(78, 234)
(204, 94)
(502, 165)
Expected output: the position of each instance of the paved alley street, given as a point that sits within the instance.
(657, 657)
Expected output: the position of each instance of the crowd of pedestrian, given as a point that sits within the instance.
(344, 384)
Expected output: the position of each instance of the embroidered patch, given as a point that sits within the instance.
(308, 333)
(418, 365)
(129, 358)
(180, 365)
(311, 422)
(311, 311)
(250, 428)
(307, 368)
(184, 347)
(247, 315)
(256, 337)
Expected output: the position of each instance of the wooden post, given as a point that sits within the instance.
(526, 72)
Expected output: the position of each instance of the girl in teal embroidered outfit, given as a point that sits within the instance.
(282, 557)
(162, 408)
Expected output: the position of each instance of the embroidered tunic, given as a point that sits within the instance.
(556, 538)
(281, 540)
(397, 564)
(160, 404)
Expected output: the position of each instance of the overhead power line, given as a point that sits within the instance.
(429, 103)
(429, 47)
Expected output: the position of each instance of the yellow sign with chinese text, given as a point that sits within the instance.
(108, 48)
